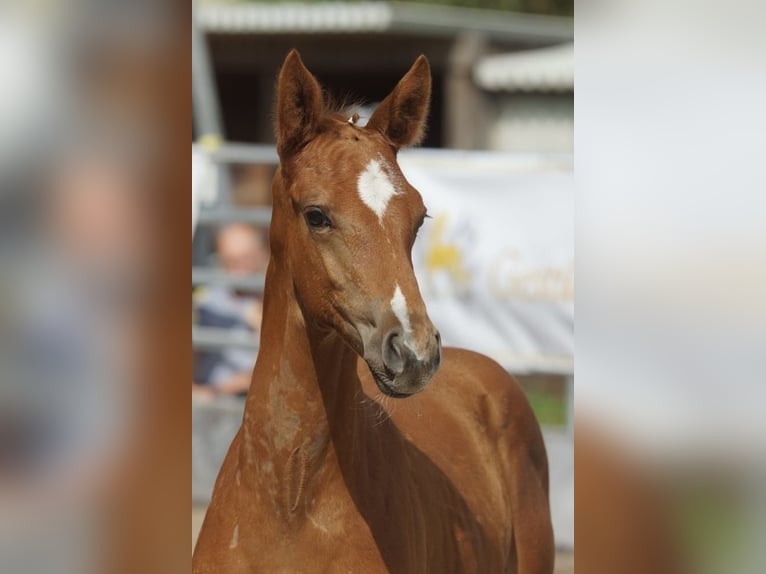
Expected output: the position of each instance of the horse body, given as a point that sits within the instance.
(327, 473)
(387, 505)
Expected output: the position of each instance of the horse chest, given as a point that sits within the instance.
(326, 536)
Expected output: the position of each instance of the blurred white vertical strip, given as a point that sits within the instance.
(204, 183)
(671, 248)
(207, 111)
(33, 96)
(671, 230)
(78, 146)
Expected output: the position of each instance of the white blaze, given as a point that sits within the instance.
(234, 538)
(375, 188)
(399, 307)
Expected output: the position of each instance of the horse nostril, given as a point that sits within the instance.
(399, 357)
(393, 352)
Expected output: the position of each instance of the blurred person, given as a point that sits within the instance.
(71, 307)
(242, 251)
(88, 438)
(69, 314)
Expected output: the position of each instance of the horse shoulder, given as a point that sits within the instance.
(475, 422)
(497, 403)
(474, 392)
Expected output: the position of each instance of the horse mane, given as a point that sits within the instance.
(337, 112)
(342, 108)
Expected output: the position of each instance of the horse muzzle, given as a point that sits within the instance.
(402, 367)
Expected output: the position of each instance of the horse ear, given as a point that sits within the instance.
(402, 115)
(299, 105)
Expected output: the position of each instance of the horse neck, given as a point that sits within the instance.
(304, 387)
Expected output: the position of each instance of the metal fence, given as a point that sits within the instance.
(222, 212)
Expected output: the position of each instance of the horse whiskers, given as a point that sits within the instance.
(380, 407)
(378, 412)
(370, 406)
(360, 400)
(385, 408)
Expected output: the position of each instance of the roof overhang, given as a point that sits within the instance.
(379, 17)
(549, 69)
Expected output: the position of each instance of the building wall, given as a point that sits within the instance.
(351, 67)
(531, 122)
(365, 67)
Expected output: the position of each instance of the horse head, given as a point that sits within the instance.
(345, 220)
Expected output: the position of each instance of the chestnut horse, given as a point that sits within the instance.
(327, 473)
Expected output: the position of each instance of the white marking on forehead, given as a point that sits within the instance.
(399, 307)
(375, 187)
(234, 538)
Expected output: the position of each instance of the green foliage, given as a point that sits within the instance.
(711, 520)
(550, 410)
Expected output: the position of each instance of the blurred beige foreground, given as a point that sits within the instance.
(84, 131)
(671, 314)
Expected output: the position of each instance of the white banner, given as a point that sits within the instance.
(496, 260)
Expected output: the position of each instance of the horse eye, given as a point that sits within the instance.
(316, 218)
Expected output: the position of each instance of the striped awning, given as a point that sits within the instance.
(370, 17)
(294, 17)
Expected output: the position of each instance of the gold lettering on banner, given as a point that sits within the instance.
(445, 256)
(509, 279)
